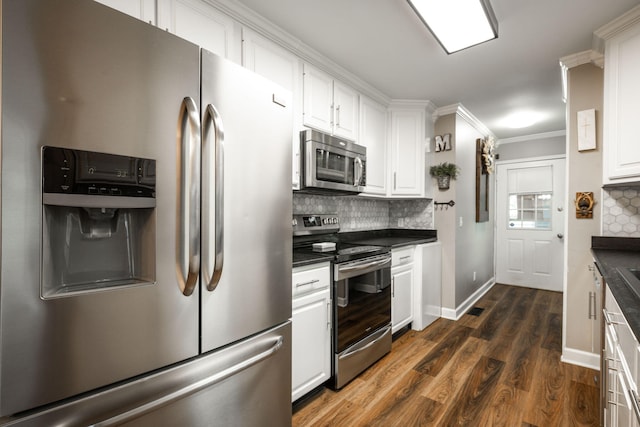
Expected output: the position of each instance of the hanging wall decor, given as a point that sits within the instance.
(443, 142)
(587, 130)
(584, 205)
(484, 167)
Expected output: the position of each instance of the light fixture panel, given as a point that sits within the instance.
(457, 24)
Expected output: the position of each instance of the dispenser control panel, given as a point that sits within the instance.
(70, 171)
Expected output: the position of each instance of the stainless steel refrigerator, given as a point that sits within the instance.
(146, 238)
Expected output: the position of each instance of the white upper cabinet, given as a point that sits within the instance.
(144, 10)
(200, 23)
(329, 105)
(373, 135)
(277, 64)
(345, 107)
(622, 105)
(407, 145)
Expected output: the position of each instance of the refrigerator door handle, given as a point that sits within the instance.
(274, 343)
(188, 195)
(212, 129)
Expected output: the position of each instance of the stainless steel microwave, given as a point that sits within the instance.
(330, 164)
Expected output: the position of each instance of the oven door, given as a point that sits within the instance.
(362, 294)
(328, 167)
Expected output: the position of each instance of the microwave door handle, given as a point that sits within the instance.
(213, 218)
(188, 197)
(358, 178)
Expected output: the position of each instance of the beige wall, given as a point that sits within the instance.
(466, 248)
(585, 91)
(547, 146)
(445, 219)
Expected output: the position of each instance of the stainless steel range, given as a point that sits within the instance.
(361, 294)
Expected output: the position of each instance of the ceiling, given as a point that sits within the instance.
(385, 44)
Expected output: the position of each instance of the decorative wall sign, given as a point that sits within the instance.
(488, 155)
(587, 130)
(584, 205)
(443, 142)
(482, 181)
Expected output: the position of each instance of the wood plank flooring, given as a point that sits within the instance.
(501, 368)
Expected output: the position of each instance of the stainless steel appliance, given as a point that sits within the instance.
(361, 296)
(146, 268)
(332, 165)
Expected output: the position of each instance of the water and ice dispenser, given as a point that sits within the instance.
(98, 228)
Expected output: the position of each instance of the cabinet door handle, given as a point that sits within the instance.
(634, 403)
(329, 315)
(394, 181)
(607, 318)
(338, 116)
(592, 305)
(393, 287)
(310, 282)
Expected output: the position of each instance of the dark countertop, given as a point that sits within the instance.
(609, 254)
(391, 237)
(308, 258)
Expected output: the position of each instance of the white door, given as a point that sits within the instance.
(530, 223)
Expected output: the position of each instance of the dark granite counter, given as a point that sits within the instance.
(307, 258)
(609, 254)
(392, 237)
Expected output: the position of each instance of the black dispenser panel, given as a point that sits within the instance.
(79, 172)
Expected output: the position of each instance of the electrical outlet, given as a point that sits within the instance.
(474, 276)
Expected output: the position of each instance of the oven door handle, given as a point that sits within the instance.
(375, 337)
(363, 267)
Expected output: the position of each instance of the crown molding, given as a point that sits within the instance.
(615, 27)
(581, 58)
(257, 23)
(532, 137)
(585, 57)
(461, 111)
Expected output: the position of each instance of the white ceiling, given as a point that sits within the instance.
(385, 44)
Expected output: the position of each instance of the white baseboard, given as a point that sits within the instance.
(582, 358)
(458, 312)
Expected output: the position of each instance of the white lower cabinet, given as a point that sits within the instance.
(427, 295)
(402, 278)
(620, 390)
(311, 328)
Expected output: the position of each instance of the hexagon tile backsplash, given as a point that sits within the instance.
(621, 212)
(358, 213)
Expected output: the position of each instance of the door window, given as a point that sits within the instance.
(530, 211)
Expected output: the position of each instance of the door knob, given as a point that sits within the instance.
(560, 235)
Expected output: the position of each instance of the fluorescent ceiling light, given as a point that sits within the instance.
(458, 24)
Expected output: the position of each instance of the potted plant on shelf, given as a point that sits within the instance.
(444, 173)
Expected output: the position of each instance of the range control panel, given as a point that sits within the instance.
(315, 224)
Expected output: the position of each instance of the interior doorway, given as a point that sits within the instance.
(530, 198)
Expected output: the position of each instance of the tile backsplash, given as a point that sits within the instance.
(360, 213)
(621, 212)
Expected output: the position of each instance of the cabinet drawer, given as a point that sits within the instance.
(402, 256)
(310, 278)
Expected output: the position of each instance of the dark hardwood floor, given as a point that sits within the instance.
(500, 368)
